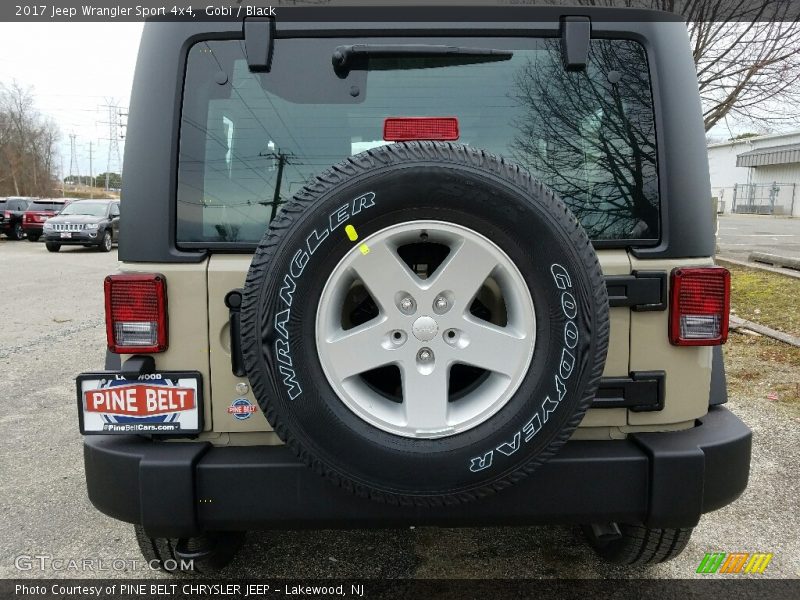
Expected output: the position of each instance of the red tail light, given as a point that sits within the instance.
(396, 129)
(136, 313)
(700, 302)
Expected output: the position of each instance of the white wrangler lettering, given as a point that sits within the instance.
(365, 201)
(282, 352)
(296, 267)
(292, 387)
(287, 290)
(280, 322)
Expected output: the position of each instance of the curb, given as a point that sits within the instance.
(775, 259)
(757, 266)
(737, 323)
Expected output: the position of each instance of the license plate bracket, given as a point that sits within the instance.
(162, 403)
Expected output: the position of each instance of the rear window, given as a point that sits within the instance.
(249, 141)
(14, 204)
(56, 206)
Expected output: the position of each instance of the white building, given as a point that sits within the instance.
(757, 175)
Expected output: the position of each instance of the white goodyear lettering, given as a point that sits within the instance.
(297, 265)
(566, 366)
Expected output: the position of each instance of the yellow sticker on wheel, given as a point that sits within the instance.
(351, 233)
(364, 249)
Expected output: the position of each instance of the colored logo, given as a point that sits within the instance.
(241, 409)
(734, 562)
(124, 401)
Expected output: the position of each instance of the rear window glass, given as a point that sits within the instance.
(46, 206)
(249, 141)
(14, 204)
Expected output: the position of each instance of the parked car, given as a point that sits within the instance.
(12, 210)
(38, 212)
(84, 223)
(498, 305)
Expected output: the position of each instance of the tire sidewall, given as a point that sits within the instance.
(538, 418)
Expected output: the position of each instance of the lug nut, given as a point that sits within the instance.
(425, 355)
(407, 305)
(440, 303)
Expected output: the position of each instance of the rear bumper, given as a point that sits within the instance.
(181, 489)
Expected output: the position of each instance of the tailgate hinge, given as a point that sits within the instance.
(641, 291)
(643, 391)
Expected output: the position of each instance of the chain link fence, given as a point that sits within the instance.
(764, 198)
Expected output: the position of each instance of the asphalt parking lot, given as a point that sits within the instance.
(52, 327)
(739, 235)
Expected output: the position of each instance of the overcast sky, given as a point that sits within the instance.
(74, 69)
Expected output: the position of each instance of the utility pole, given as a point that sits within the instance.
(114, 134)
(283, 160)
(91, 172)
(74, 169)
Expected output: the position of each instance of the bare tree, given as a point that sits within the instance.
(591, 136)
(747, 54)
(27, 145)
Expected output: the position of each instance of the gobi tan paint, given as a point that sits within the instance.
(227, 272)
(187, 319)
(199, 339)
(688, 368)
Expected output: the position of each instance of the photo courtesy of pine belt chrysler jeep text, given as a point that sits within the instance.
(373, 277)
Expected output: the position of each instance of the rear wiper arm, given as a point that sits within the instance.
(343, 56)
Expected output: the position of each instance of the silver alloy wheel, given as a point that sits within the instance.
(107, 241)
(424, 327)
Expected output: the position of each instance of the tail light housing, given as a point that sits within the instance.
(406, 129)
(136, 313)
(700, 302)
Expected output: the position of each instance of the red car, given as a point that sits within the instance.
(38, 212)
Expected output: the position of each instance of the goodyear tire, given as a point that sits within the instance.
(472, 390)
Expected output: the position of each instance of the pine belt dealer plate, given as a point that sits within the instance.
(165, 402)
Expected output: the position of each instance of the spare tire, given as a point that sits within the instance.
(424, 323)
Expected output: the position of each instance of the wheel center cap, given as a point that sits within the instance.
(424, 329)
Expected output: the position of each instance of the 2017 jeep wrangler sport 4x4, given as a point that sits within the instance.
(430, 273)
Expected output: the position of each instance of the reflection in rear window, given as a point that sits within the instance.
(248, 144)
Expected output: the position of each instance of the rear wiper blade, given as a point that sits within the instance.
(344, 56)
